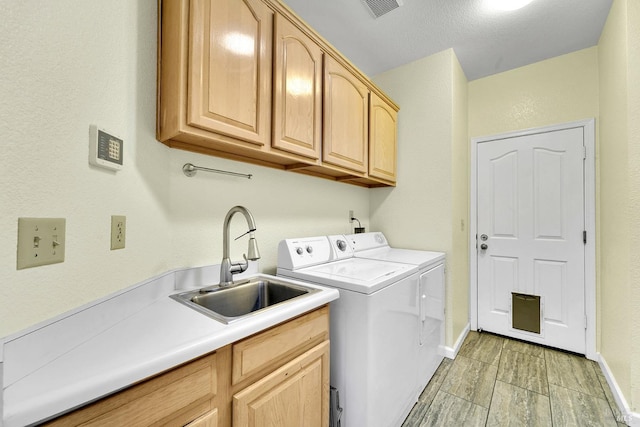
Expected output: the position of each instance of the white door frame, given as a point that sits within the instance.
(588, 126)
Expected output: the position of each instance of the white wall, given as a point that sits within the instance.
(458, 264)
(619, 62)
(634, 204)
(558, 90)
(614, 206)
(415, 214)
(284, 205)
(67, 64)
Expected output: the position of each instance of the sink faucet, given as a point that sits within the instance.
(228, 269)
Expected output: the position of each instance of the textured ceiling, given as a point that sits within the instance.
(485, 42)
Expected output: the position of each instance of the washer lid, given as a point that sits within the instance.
(355, 274)
(408, 256)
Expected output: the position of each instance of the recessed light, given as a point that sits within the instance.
(506, 5)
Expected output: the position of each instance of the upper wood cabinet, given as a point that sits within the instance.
(346, 115)
(383, 130)
(297, 95)
(248, 80)
(229, 87)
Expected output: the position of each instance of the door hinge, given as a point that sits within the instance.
(584, 152)
(585, 321)
(584, 237)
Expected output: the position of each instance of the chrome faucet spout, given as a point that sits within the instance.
(227, 268)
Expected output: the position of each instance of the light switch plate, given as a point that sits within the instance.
(118, 231)
(41, 241)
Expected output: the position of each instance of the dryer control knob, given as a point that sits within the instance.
(342, 245)
(309, 249)
(299, 250)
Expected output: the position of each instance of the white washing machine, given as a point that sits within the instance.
(374, 328)
(431, 290)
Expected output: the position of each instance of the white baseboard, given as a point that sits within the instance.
(630, 418)
(452, 352)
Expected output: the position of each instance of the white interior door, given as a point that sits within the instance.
(530, 219)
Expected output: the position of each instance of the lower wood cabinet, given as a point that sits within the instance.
(259, 354)
(210, 419)
(276, 377)
(175, 398)
(297, 394)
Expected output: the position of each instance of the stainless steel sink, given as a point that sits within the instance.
(236, 301)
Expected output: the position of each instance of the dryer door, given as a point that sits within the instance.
(432, 296)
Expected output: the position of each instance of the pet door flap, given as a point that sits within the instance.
(525, 312)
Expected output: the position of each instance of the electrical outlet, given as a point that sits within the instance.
(118, 231)
(350, 217)
(41, 241)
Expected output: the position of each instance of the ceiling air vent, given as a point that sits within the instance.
(380, 7)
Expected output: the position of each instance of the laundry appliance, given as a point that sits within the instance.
(373, 328)
(431, 265)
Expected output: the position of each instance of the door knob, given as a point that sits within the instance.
(484, 246)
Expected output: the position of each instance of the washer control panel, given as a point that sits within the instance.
(303, 252)
(364, 241)
(309, 251)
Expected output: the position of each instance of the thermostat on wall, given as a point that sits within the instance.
(105, 149)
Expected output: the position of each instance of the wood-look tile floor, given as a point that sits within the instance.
(496, 381)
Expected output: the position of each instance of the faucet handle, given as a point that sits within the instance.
(240, 267)
(244, 234)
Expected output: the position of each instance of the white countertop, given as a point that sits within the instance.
(145, 342)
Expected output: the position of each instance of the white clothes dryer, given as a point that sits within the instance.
(373, 328)
(431, 295)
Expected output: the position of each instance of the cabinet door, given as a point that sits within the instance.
(273, 347)
(295, 395)
(382, 139)
(297, 91)
(229, 85)
(346, 114)
(173, 398)
(210, 419)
